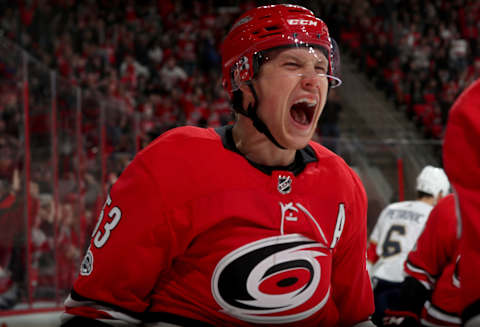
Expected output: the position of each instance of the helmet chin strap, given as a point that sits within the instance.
(251, 113)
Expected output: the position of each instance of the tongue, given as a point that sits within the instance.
(299, 116)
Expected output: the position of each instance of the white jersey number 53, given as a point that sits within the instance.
(99, 238)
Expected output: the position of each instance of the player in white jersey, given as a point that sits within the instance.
(395, 234)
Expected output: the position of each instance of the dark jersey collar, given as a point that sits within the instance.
(302, 157)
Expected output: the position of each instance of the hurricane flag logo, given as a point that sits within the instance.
(273, 280)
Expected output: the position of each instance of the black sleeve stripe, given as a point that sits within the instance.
(143, 316)
(80, 298)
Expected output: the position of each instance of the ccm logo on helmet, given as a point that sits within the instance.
(301, 22)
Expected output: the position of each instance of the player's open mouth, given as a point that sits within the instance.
(303, 110)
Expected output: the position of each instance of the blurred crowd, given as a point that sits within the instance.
(159, 60)
(422, 54)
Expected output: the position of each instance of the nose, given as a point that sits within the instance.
(311, 81)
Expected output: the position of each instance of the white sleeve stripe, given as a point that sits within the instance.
(420, 271)
(69, 302)
(429, 324)
(114, 323)
(428, 286)
(455, 281)
(122, 316)
(439, 315)
(366, 323)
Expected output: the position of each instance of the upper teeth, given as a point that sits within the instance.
(309, 102)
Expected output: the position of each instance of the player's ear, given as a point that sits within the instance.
(248, 97)
(245, 89)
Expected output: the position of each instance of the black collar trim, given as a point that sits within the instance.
(302, 157)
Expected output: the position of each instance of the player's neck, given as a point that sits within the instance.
(256, 147)
(428, 200)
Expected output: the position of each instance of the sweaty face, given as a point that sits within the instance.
(292, 89)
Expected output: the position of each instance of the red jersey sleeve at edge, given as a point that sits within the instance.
(372, 255)
(437, 244)
(133, 243)
(352, 291)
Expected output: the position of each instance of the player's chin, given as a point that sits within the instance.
(295, 141)
(299, 138)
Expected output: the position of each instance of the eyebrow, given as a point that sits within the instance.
(283, 56)
(288, 56)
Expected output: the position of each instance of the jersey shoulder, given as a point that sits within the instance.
(333, 170)
(181, 144)
(179, 160)
(410, 205)
(443, 214)
(331, 161)
(185, 137)
(446, 205)
(325, 153)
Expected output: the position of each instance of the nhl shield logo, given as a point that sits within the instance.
(284, 184)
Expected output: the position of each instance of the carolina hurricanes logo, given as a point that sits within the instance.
(274, 280)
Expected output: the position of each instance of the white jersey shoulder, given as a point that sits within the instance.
(396, 232)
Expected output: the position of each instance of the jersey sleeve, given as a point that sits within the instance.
(375, 234)
(437, 245)
(131, 246)
(372, 251)
(352, 290)
(372, 256)
(373, 246)
(461, 157)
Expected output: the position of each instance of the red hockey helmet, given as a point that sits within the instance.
(270, 27)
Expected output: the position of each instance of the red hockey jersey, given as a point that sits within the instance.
(461, 153)
(193, 232)
(433, 262)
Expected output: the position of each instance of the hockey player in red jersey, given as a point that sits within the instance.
(461, 155)
(433, 264)
(250, 224)
(430, 294)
